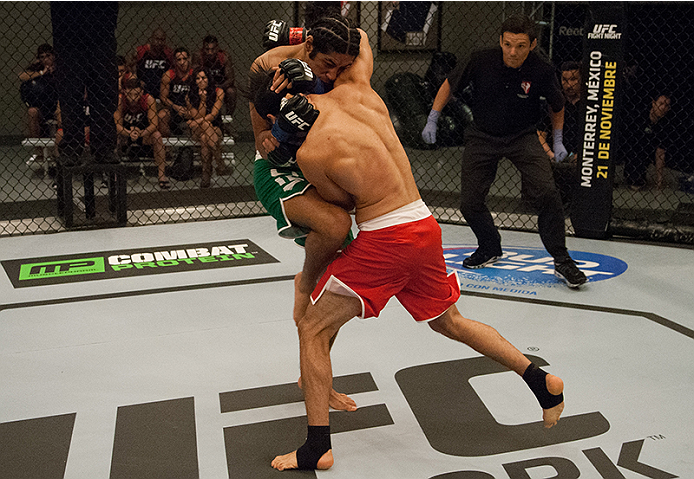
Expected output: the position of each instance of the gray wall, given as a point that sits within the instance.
(239, 27)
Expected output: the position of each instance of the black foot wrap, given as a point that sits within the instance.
(317, 443)
(535, 378)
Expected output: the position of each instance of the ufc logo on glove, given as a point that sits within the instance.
(294, 119)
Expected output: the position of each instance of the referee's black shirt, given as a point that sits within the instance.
(506, 101)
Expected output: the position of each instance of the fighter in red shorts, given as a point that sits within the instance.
(402, 252)
(354, 159)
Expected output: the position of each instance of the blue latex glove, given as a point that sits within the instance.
(429, 131)
(560, 152)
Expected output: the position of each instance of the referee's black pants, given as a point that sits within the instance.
(481, 157)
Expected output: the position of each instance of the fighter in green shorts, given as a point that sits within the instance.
(273, 186)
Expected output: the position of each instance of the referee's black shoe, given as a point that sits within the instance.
(567, 271)
(480, 259)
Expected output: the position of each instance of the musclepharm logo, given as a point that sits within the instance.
(604, 32)
(40, 271)
(54, 269)
(530, 266)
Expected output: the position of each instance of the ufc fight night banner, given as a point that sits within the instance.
(133, 262)
(602, 63)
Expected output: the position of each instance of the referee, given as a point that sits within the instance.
(507, 86)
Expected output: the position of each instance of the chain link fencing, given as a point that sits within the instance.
(415, 45)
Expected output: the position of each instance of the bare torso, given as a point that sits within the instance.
(353, 156)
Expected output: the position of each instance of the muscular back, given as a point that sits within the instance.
(353, 155)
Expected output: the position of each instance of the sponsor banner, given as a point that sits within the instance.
(602, 61)
(49, 270)
(522, 267)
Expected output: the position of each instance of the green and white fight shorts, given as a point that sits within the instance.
(274, 186)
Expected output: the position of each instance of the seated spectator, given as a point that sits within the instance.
(151, 61)
(221, 67)
(205, 104)
(136, 125)
(39, 93)
(175, 86)
(648, 140)
(124, 72)
(564, 172)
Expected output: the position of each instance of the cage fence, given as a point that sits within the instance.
(415, 45)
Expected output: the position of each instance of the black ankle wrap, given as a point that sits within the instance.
(535, 378)
(317, 443)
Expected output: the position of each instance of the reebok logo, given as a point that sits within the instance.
(571, 31)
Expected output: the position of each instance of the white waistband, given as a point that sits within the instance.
(415, 211)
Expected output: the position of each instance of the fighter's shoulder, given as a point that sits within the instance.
(273, 57)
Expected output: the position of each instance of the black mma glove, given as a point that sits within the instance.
(283, 156)
(295, 119)
(278, 33)
(299, 75)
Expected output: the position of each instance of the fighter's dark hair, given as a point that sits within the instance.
(569, 66)
(334, 34)
(314, 11)
(520, 23)
(209, 39)
(43, 48)
(181, 50)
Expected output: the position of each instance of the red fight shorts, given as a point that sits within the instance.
(404, 260)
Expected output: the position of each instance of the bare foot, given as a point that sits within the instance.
(301, 299)
(288, 461)
(339, 401)
(555, 386)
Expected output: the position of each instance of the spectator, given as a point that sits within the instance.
(152, 60)
(221, 67)
(564, 172)
(205, 105)
(175, 86)
(507, 86)
(136, 124)
(649, 138)
(124, 72)
(39, 93)
(85, 43)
